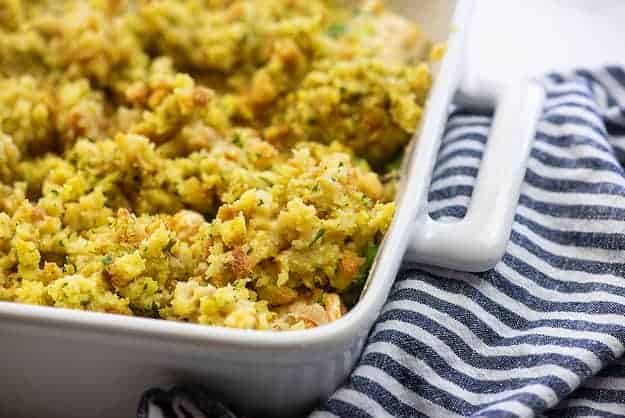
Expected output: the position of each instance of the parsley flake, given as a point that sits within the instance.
(318, 236)
(169, 245)
(336, 30)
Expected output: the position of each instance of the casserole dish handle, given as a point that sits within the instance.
(478, 241)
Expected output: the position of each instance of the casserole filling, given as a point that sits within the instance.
(220, 162)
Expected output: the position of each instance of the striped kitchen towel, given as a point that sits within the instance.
(543, 333)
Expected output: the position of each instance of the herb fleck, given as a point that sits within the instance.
(107, 259)
(321, 297)
(169, 245)
(336, 30)
(150, 311)
(318, 236)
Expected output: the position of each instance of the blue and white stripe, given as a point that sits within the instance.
(543, 333)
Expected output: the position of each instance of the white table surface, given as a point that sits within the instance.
(512, 38)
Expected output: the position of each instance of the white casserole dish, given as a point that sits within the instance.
(67, 363)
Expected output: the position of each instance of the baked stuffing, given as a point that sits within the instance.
(219, 162)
